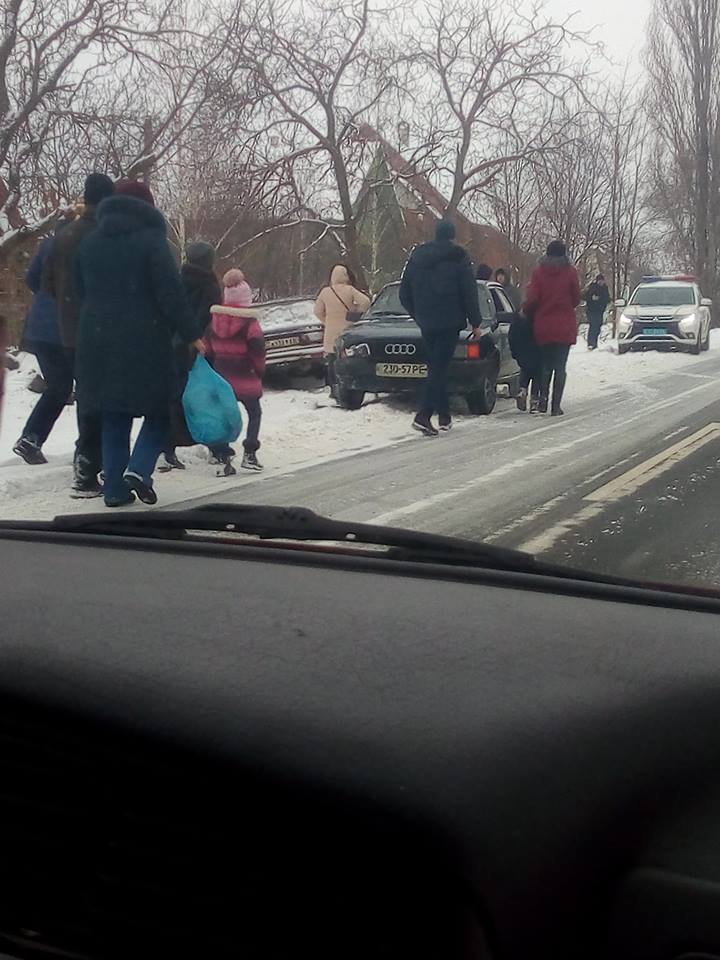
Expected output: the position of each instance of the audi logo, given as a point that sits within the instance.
(406, 349)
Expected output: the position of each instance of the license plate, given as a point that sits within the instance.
(655, 331)
(282, 342)
(418, 370)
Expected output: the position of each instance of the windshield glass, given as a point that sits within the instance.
(653, 296)
(387, 303)
(198, 215)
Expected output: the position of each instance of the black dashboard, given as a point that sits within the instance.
(233, 752)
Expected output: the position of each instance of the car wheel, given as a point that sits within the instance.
(481, 402)
(697, 346)
(349, 399)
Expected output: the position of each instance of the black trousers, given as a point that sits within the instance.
(531, 379)
(595, 320)
(251, 443)
(439, 347)
(88, 448)
(57, 373)
(554, 357)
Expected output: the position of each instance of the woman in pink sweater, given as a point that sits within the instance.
(235, 345)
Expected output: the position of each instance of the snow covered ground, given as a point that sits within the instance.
(300, 427)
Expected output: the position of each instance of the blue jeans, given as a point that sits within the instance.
(117, 459)
(57, 372)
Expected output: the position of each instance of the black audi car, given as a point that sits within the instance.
(384, 353)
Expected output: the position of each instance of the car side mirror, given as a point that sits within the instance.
(620, 303)
(706, 302)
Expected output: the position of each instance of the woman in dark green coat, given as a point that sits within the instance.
(132, 302)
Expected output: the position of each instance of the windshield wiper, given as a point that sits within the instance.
(292, 524)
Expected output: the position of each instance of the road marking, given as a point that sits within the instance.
(646, 471)
(624, 485)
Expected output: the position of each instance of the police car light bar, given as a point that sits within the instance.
(681, 277)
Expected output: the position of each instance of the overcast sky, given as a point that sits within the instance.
(620, 25)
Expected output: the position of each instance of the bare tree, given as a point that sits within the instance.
(499, 74)
(322, 74)
(684, 112)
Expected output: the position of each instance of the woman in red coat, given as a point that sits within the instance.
(552, 297)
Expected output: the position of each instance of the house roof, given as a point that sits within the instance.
(488, 241)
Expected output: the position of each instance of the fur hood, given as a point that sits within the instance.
(120, 214)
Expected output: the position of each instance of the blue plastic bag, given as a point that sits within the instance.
(211, 410)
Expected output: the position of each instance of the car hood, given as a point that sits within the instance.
(649, 313)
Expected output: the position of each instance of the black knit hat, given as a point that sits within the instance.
(97, 187)
(557, 249)
(444, 230)
(200, 254)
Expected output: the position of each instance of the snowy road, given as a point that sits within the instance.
(627, 481)
(545, 484)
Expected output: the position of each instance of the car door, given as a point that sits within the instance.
(505, 313)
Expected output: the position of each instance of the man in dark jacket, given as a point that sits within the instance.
(132, 303)
(42, 337)
(439, 291)
(202, 291)
(597, 300)
(59, 282)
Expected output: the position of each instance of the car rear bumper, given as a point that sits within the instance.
(358, 373)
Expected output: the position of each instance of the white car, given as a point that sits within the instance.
(665, 311)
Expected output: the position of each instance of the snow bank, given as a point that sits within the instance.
(300, 427)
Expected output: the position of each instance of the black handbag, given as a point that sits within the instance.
(352, 316)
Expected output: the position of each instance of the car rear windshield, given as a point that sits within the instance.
(387, 303)
(652, 296)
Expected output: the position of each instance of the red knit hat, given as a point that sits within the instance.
(137, 189)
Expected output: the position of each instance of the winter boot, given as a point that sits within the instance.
(226, 469)
(423, 424)
(557, 394)
(445, 422)
(521, 399)
(143, 491)
(30, 450)
(85, 480)
(542, 404)
(535, 404)
(250, 462)
(120, 501)
(171, 463)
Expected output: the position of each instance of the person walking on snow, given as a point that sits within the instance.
(58, 280)
(552, 298)
(597, 300)
(42, 337)
(526, 352)
(131, 305)
(335, 302)
(439, 291)
(202, 291)
(235, 345)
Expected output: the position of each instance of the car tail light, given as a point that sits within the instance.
(473, 351)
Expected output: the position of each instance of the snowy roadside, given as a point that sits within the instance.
(300, 428)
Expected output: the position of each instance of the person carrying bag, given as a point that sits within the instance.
(338, 306)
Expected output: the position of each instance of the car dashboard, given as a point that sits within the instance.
(215, 750)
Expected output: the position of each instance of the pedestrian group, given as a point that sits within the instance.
(114, 315)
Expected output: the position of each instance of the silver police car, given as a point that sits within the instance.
(668, 312)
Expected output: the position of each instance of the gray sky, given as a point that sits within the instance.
(620, 25)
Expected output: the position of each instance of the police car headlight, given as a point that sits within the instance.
(689, 324)
(357, 350)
